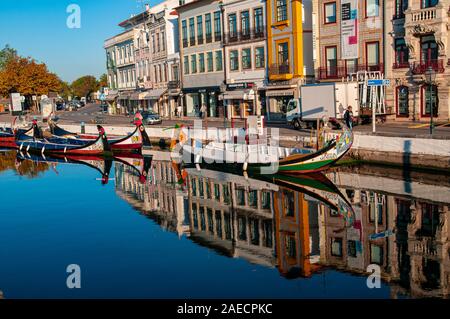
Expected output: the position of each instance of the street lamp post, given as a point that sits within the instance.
(430, 76)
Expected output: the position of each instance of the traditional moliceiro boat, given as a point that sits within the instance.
(100, 146)
(267, 159)
(133, 142)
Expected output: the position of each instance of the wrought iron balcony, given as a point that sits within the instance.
(245, 35)
(422, 67)
(279, 69)
(173, 85)
(401, 65)
(341, 69)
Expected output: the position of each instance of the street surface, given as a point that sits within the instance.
(91, 111)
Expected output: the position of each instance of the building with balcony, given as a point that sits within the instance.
(150, 53)
(289, 53)
(417, 36)
(245, 56)
(348, 38)
(121, 70)
(202, 57)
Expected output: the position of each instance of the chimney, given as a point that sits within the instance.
(147, 7)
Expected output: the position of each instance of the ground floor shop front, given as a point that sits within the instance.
(277, 100)
(203, 102)
(419, 101)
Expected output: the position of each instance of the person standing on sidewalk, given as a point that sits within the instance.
(348, 117)
(203, 111)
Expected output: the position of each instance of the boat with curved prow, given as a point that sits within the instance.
(100, 146)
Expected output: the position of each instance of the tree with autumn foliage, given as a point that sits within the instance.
(103, 81)
(27, 77)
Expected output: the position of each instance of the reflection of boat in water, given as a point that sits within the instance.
(102, 165)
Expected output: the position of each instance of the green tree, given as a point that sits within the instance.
(84, 86)
(65, 91)
(6, 54)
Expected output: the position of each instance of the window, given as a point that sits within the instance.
(208, 27)
(217, 26)
(376, 254)
(336, 247)
(193, 63)
(158, 41)
(331, 60)
(260, 57)
(259, 20)
(245, 23)
(290, 246)
(429, 3)
(201, 62)
(184, 33)
(281, 10)
(402, 101)
(192, 31)
(163, 41)
(401, 53)
(289, 203)
(283, 53)
(330, 12)
(219, 64)
(372, 8)
(246, 59)
(232, 25)
(430, 100)
(352, 249)
(200, 29)
(210, 62)
(400, 8)
(372, 54)
(234, 60)
(429, 49)
(154, 43)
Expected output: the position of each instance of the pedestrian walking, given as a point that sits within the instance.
(203, 111)
(348, 117)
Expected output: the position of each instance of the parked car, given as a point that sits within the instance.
(151, 118)
(60, 105)
(73, 105)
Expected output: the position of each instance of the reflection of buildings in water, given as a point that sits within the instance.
(160, 197)
(416, 257)
(275, 226)
(255, 220)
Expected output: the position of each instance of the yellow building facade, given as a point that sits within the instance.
(289, 52)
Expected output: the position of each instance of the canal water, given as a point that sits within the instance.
(143, 228)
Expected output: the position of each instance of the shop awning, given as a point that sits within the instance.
(154, 94)
(124, 96)
(275, 93)
(135, 96)
(239, 95)
(111, 97)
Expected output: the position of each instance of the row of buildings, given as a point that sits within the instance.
(281, 227)
(234, 58)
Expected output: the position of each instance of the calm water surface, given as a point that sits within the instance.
(209, 234)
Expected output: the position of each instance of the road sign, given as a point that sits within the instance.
(378, 82)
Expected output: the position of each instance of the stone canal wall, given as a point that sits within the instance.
(410, 152)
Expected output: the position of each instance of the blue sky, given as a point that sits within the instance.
(37, 28)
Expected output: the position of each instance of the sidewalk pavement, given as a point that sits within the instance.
(394, 129)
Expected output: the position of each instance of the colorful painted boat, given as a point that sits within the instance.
(8, 136)
(263, 158)
(100, 146)
(132, 142)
